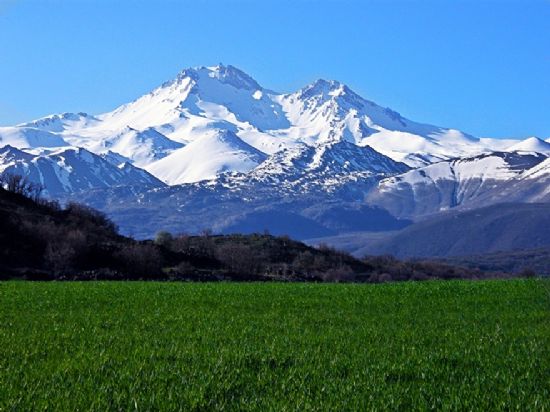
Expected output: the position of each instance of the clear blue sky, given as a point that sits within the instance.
(480, 66)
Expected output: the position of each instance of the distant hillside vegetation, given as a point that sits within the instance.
(534, 260)
(41, 240)
(496, 228)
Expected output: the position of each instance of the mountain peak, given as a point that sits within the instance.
(9, 148)
(226, 74)
(324, 83)
(325, 90)
(533, 139)
(324, 87)
(531, 144)
(9, 153)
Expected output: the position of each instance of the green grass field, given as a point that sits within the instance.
(185, 346)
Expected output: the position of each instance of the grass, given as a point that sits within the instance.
(181, 346)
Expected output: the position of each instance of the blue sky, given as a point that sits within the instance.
(480, 66)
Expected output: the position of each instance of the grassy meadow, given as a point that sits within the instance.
(457, 345)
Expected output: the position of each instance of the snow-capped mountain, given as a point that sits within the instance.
(219, 138)
(203, 101)
(463, 181)
(71, 170)
(331, 111)
(321, 167)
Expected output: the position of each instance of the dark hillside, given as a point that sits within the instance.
(528, 260)
(41, 240)
(496, 228)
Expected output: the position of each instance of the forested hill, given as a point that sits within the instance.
(41, 240)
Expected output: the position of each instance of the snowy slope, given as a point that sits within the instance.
(58, 123)
(329, 162)
(531, 144)
(499, 166)
(114, 158)
(448, 184)
(207, 157)
(71, 170)
(26, 137)
(340, 170)
(540, 170)
(141, 147)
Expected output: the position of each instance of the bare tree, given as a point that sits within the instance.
(21, 185)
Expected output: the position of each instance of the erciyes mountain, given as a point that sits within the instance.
(213, 149)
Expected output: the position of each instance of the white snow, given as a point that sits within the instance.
(540, 170)
(205, 158)
(492, 167)
(531, 144)
(209, 120)
(25, 137)
(69, 170)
